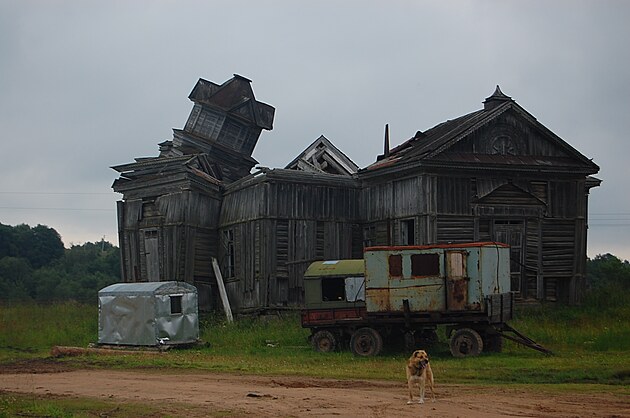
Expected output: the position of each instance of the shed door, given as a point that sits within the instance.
(152, 255)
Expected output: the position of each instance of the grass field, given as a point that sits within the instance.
(591, 346)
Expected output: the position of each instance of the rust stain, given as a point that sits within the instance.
(457, 294)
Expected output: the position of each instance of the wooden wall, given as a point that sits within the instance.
(281, 223)
(171, 237)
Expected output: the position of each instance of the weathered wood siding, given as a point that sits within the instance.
(546, 217)
(530, 140)
(281, 225)
(171, 237)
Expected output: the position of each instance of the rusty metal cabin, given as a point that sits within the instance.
(496, 174)
(435, 278)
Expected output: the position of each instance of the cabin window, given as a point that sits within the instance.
(176, 304)
(408, 232)
(228, 247)
(425, 265)
(333, 289)
(395, 265)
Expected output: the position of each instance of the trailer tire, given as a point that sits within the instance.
(324, 341)
(366, 342)
(466, 342)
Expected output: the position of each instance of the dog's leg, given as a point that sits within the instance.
(410, 386)
(422, 382)
(430, 381)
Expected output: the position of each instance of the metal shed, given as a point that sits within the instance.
(148, 313)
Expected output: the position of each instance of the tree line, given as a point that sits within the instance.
(35, 266)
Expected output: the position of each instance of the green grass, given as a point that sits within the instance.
(28, 329)
(590, 328)
(590, 346)
(12, 405)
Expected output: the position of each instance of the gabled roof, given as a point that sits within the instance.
(429, 146)
(323, 157)
(235, 96)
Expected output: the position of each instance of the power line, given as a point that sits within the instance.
(60, 193)
(615, 225)
(608, 213)
(84, 209)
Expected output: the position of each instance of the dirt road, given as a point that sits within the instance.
(243, 395)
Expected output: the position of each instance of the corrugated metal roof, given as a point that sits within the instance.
(436, 246)
(147, 288)
(336, 268)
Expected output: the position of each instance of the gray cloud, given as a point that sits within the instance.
(88, 84)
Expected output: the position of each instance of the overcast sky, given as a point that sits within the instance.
(85, 85)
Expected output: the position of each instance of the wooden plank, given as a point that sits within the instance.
(222, 291)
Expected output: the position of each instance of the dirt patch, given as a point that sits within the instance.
(280, 396)
(34, 366)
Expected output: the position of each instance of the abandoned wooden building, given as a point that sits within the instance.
(495, 174)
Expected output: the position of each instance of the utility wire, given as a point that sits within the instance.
(24, 208)
(60, 193)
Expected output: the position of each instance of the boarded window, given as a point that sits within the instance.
(425, 265)
(456, 264)
(355, 289)
(395, 265)
(369, 236)
(176, 305)
(228, 247)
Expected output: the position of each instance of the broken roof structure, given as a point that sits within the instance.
(323, 157)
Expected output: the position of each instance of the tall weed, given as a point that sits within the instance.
(31, 327)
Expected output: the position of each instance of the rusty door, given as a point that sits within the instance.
(456, 281)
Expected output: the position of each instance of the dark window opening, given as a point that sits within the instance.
(369, 236)
(333, 289)
(395, 265)
(425, 265)
(176, 305)
(408, 232)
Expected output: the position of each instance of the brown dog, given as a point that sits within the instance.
(419, 373)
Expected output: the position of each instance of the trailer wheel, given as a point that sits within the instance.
(466, 342)
(324, 341)
(366, 342)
